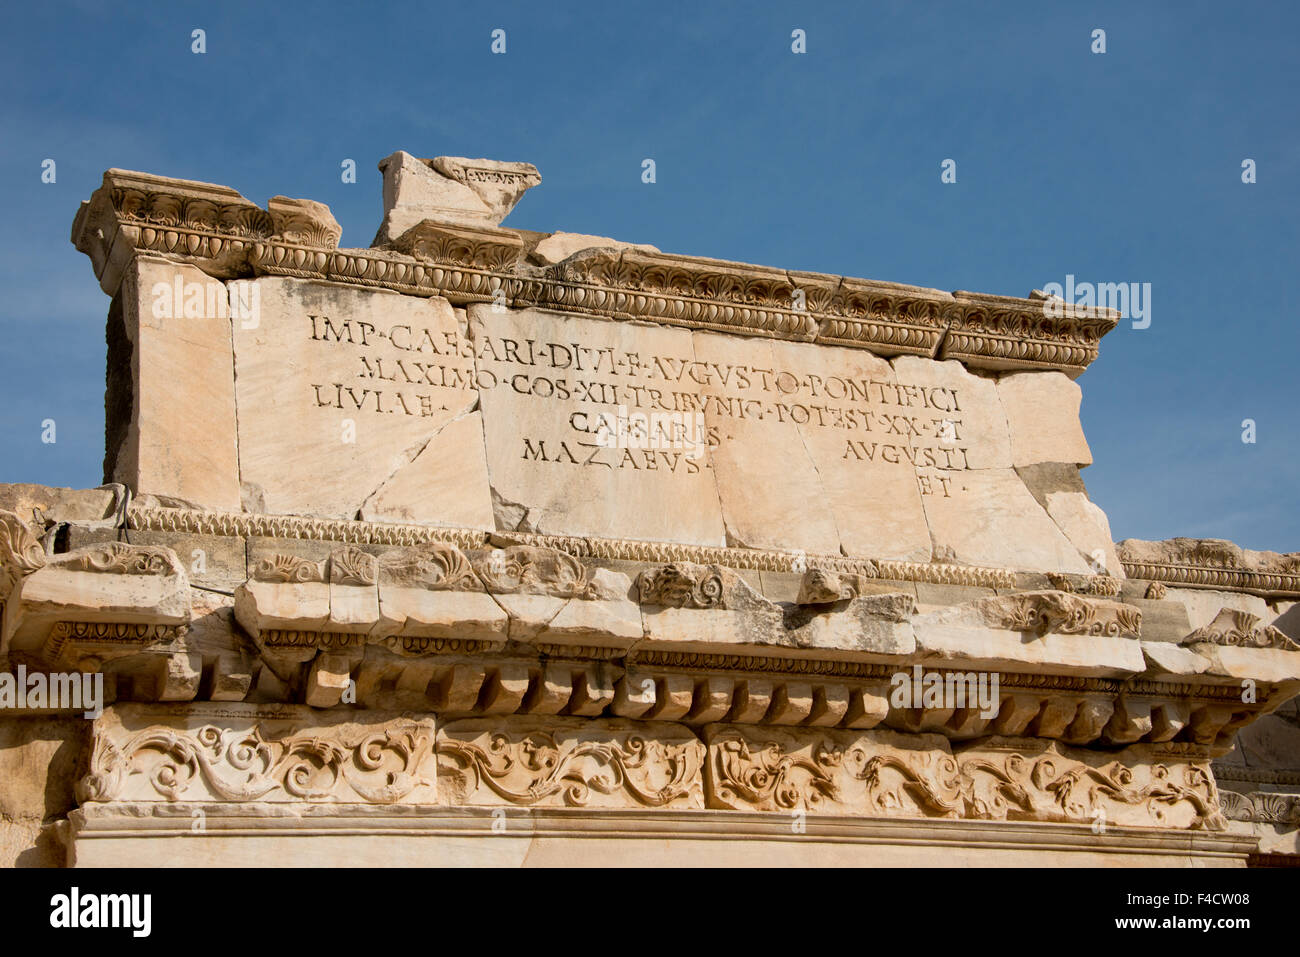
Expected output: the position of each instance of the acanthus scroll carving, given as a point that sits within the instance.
(586, 764)
(379, 764)
(20, 550)
(288, 569)
(120, 558)
(1062, 613)
(882, 774)
(534, 570)
(1241, 629)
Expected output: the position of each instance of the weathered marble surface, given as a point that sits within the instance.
(463, 374)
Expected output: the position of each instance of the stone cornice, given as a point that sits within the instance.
(224, 234)
(1212, 563)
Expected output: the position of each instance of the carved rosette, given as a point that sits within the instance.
(565, 763)
(289, 755)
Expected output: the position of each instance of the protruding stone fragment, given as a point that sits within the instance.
(178, 676)
(634, 696)
(713, 699)
(752, 700)
(1168, 718)
(459, 688)
(1090, 720)
(1132, 721)
(116, 595)
(327, 680)
(867, 708)
(505, 689)
(1016, 713)
(232, 678)
(792, 703)
(830, 705)
(674, 696)
(552, 690)
(304, 222)
(1055, 717)
(822, 586)
(593, 691)
(449, 189)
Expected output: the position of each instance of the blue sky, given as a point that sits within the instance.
(1115, 167)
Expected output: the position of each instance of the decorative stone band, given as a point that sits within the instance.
(203, 522)
(1279, 777)
(202, 755)
(223, 233)
(1265, 584)
(890, 775)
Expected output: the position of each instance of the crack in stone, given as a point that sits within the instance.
(409, 457)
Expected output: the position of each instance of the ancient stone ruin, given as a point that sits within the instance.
(486, 546)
